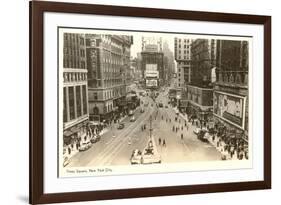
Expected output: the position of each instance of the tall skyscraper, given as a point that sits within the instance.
(108, 58)
(75, 88)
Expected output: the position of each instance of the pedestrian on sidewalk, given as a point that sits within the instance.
(181, 127)
(159, 140)
(164, 143)
(173, 128)
(181, 136)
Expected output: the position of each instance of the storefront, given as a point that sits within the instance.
(183, 106)
(72, 136)
(202, 113)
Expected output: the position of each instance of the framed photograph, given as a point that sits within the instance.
(139, 102)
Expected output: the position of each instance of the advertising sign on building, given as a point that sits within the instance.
(151, 74)
(151, 67)
(230, 108)
(151, 48)
(151, 83)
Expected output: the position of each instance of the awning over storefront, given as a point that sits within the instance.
(201, 107)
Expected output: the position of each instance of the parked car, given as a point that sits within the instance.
(202, 136)
(196, 130)
(160, 104)
(142, 110)
(150, 156)
(95, 138)
(136, 157)
(120, 126)
(85, 146)
(133, 119)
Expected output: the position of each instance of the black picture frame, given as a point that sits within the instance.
(37, 9)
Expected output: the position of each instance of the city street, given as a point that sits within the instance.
(116, 145)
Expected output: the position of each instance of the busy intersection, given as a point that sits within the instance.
(171, 131)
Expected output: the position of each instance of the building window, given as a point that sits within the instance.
(64, 106)
(82, 53)
(71, 103)
(81, 41)
(95, 96)
(85, 102)
(83, 64)
(78, 101)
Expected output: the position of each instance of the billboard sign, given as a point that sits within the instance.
(151, 74)
(230, 108)
(151, 48)
(151, 67)
(151, 83)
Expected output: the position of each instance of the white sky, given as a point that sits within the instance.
(136, 47)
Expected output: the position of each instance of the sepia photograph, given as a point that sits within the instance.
(129, 102)
(148, 102)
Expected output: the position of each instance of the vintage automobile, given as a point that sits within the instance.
(95, 138)
(136, 157)
(133, 119)
(202, 135)
(142, 110)
(150, 156)
(85, 146)
(196, 130)
(120, 126)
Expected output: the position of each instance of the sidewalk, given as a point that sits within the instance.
(74, 151)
